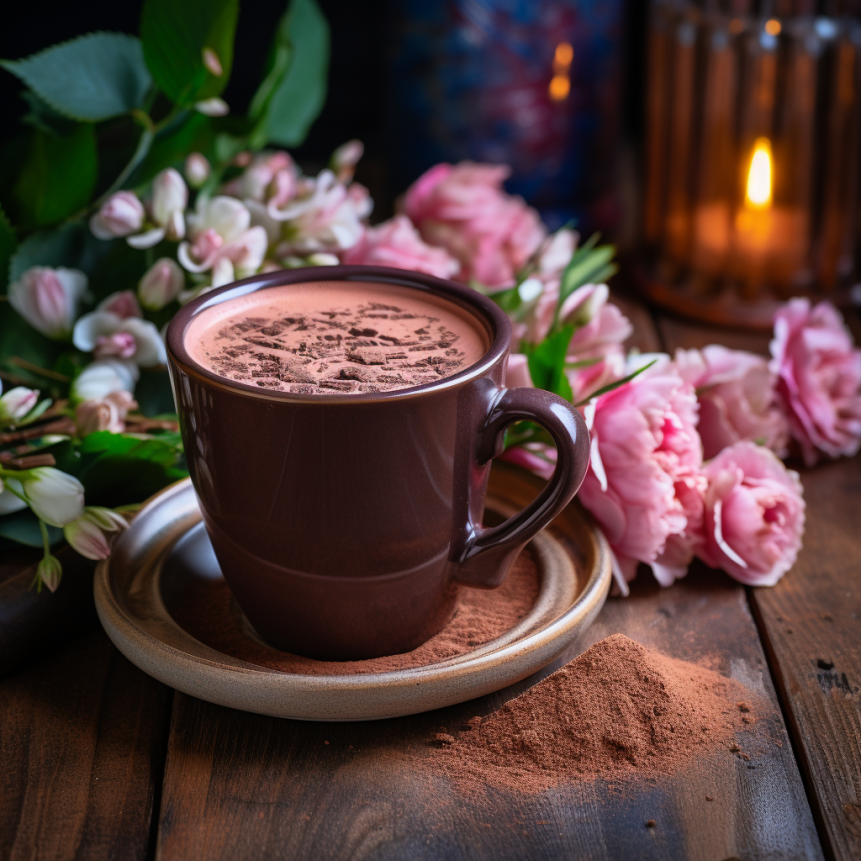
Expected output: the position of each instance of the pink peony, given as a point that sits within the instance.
(737, 398)
(645, 455)
(465, 209)
(397, 243)
(754, 515)
(819, 378)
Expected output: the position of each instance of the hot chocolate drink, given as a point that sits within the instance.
(331, 337)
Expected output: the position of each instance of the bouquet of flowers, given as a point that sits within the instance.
(686, 450)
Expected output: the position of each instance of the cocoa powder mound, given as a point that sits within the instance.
(618, 709)
(208, 612)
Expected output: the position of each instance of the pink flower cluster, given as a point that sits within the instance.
(685, 458)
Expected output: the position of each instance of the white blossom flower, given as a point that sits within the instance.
(167, 209)
(214, 107)
(48, 299)
(326, 215)
(223, 241)
(107, 333)
(54, 496)
(103, 377)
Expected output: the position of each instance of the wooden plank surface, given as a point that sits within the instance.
(240, 785)
(811, 626)
(82, 735)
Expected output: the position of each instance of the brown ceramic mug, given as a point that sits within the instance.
(345, 523)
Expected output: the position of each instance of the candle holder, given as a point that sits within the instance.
(752, 158)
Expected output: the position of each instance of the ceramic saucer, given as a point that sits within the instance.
(166, 548)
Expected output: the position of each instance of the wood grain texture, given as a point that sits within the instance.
(811, 623)
(82, 735)
(240, 785)
(811, 626)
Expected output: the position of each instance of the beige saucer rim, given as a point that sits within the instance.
(130, 607)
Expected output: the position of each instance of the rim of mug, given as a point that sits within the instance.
(496, 322)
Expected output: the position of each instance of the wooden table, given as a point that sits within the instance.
(99, 761)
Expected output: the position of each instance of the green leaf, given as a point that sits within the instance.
(8, 242)
(174, 36)
(615, 385)
(547, 363)
(60, 247)
(43, 116)
(91, 78)
(588, 265)
(119, 469)
(58, 177)
(294, 90)
(23, 527)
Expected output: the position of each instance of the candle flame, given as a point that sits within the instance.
(759, 183)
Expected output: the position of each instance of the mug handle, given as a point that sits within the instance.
(488, 552)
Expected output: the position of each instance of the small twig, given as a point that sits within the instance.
(29, 462)
(42, 372)
(63, 426)
(143, 425)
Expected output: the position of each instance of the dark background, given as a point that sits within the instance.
(356, 102)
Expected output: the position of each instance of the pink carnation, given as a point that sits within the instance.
(754, 515)
(596, 349)
(641, 484)
(819, 378)
(465, 209)
(397, 243)
(738, 401)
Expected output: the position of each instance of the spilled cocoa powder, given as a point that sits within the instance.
(209, 614)
(617, 710)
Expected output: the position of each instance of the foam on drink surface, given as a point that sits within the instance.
(336, 337)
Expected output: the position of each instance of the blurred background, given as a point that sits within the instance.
(422, 82)
(717, 142)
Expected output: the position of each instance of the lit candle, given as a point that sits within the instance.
(754, 222)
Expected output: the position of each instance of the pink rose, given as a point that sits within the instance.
(819, 378)
(737, 398)
(464, 209)
(397, 243)
(754, 515)
(645, 455)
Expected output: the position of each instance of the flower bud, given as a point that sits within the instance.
(48, 299)
(120, 215)
(212, 107)
(169, 196)
(108, 413)
(124, 304)
(345, 159)
(49, 573)
(197, 170)
(321, 258)
(212, 63)
(54, 496)
(161, 284)
(15, 404)
(87, 533)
